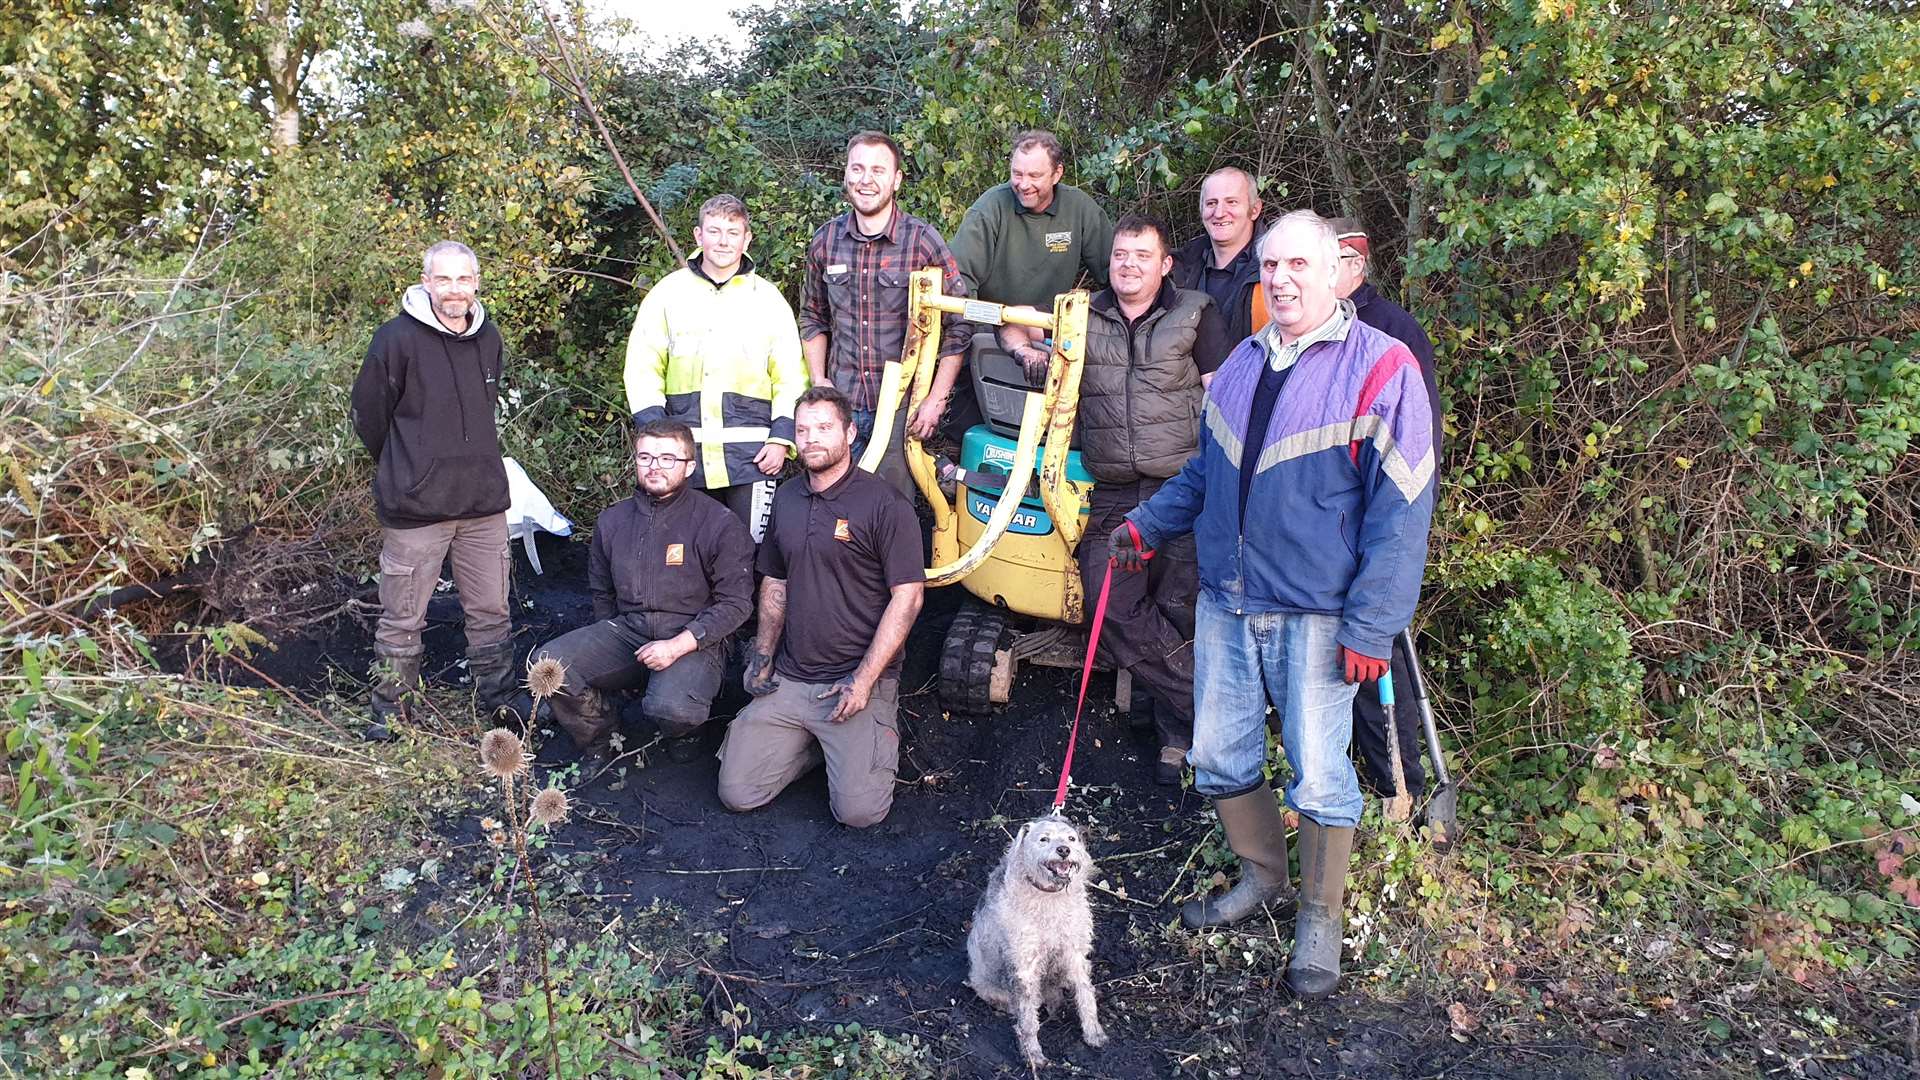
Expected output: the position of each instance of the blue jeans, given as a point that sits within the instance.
(862, 432)
(1244, 662)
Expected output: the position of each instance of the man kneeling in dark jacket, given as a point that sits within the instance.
(671, 575)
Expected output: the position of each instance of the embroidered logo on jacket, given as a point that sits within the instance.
(841, 532)
(1058, 242)
(676, 554)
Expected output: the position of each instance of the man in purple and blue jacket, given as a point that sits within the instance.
(1309, 502)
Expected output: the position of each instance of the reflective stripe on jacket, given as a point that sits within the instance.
(724, 360)
(1342, 493)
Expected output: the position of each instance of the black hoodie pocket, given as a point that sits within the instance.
(452, 488)
(426, 478)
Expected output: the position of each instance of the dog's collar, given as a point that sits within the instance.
(1045, 889)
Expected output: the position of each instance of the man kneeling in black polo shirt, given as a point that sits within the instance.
(843, 584)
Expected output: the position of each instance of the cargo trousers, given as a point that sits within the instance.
(410, 562)
(781, 737)
(599, 657)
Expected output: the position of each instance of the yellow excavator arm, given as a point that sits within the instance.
(1046, 423)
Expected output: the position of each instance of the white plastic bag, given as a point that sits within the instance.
(530, 511)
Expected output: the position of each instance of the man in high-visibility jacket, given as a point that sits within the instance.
(715, 347)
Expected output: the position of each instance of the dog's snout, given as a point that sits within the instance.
(1063, 851)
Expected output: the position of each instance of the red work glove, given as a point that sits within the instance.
(1361, 668)
(1126, 550)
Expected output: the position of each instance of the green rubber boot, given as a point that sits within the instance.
(1314, 969)
(1258, 835)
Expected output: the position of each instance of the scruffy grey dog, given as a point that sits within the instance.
(1033, 931)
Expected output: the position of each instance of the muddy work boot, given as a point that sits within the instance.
(1258, 835)
(1168, 769)
(587, 719)
(496, 683)
(395, 680)
(1314, 969)
(683, 749)
(596, 757)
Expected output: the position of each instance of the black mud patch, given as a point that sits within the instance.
(810, 924)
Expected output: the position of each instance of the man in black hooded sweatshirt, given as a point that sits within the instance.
(423, 405)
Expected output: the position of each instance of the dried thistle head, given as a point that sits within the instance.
(550, 807)
(503, 754)
(545, 677)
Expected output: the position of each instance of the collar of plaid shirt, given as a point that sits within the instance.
(891, 234)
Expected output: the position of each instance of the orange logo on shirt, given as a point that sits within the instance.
(676, 554)
(841, 532)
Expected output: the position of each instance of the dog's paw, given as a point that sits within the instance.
(1095, 1036)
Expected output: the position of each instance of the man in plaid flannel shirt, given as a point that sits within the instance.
(853, 308)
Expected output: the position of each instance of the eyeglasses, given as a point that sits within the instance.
(1350, 255)
(664, 461)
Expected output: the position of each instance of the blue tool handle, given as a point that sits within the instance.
(1386, 688)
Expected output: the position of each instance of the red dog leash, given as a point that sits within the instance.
(1086, 670)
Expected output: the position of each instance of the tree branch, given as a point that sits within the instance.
(578, 85)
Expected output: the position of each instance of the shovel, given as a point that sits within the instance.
(1442, 808)
(1400, 807)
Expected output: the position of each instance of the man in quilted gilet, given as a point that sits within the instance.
(1150, 350)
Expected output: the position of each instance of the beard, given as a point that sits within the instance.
(853, 199)
(660, 486)
(822, 458)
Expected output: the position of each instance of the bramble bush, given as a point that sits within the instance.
(1675, 591)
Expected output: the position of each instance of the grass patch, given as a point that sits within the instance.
(214, 881)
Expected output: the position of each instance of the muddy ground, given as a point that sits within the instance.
(820, 925)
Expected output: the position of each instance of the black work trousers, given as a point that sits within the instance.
(599, 657)
(737, 498)
(1149, 627)
(1370, 731)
